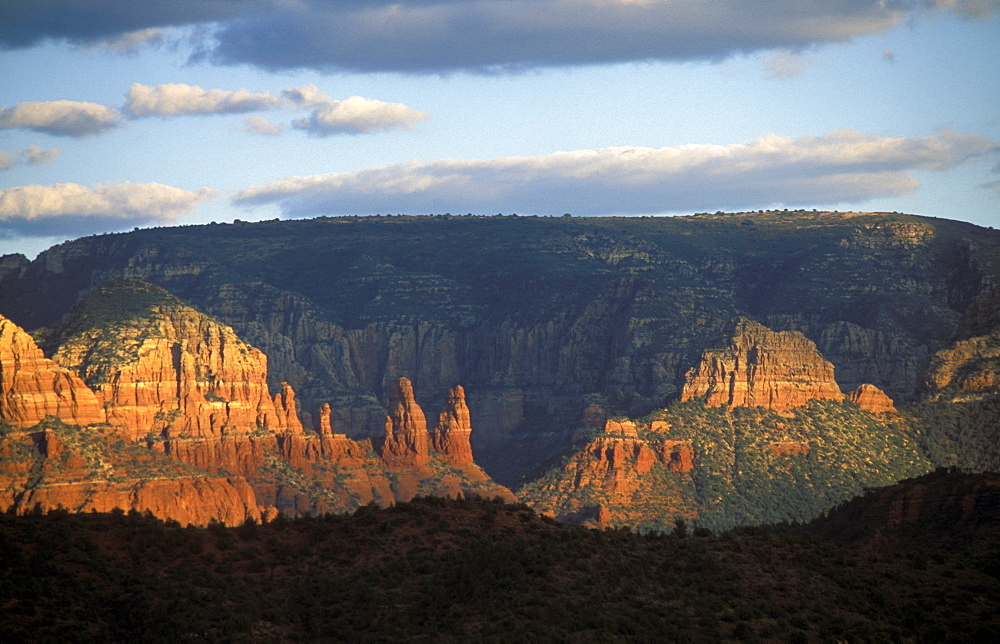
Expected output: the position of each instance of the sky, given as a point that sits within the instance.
(117, 114)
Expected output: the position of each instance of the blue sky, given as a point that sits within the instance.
(117, 114)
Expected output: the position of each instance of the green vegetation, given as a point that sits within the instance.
(742, 474)
(458, 571)
(961, 434)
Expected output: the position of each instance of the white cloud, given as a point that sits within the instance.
(841, 166)
(307, 96)
(357, 115)
(130, 42)
(176, 99)
(6, 160)
(69, 207)
(60, 118)
(32, 155)
(784, 65)
(35, 155)
(260, 125)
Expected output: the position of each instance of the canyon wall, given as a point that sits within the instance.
(540, 317)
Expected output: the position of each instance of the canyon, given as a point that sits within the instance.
(292, 354)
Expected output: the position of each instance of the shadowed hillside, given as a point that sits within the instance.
(458, 571)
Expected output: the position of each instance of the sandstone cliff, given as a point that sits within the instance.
(762, 368)
(616, 477)
(164, 369)
(60, 466)
(32, 387)
(176, 383)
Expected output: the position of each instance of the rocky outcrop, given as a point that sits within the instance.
(631, 478)
(191, 398)
(872, 399)
(451, 438)
(406, 442)
(968, 370)
(189, 501)
(288, 415)
(33, 387)
(762, 368)
(168, 370)
(678, 455)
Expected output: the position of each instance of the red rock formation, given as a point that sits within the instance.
(288, 415)
(621, 427)
(451, 437)
(872, 399)
(325, 428)
(762, 368)
(32, 387)
(197, 501)
(678, 455)
(406, 442)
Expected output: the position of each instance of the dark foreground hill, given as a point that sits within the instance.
(444, 570)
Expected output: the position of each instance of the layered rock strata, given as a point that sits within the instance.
(33, 387)
(872, 399)
(762, 368)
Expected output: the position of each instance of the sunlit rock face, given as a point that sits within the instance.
(872, 399)
(762, 368)
(33, 387)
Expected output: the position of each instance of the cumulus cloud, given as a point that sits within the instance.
(132, 41)
(839, 167)
(478, 35)
(357, 115)
(175, 99)
(787, 64)
(74, 209)
(260, 125)
(32, 155)
(35, 155)
(60, 118)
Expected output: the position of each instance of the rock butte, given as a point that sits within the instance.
(777, 370)
(196, 394)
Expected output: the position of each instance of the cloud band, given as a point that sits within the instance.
(841, 166)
